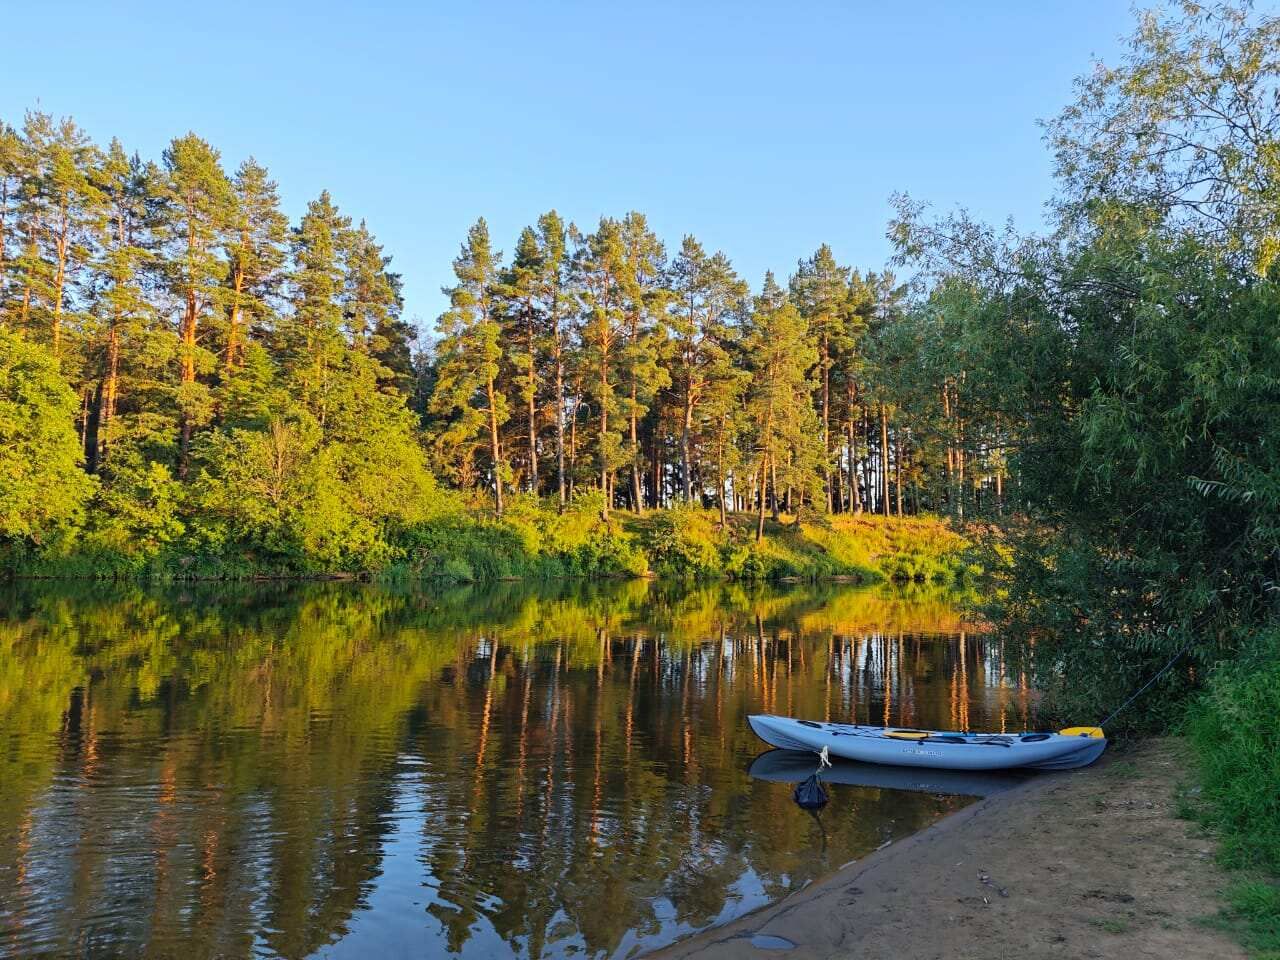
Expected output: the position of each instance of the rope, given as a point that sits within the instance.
(1143, 689)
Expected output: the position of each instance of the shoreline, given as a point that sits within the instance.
(1085, 863)
(845, 579)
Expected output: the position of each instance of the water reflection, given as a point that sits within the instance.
(339, 769)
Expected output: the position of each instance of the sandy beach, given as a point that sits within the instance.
(1091, 863)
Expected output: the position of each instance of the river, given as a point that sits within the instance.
(353, 770)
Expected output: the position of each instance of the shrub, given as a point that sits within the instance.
(1235, 728)
(685, 542)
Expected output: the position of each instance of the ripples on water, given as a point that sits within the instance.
(344, 771)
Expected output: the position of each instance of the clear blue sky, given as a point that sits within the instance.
(763, 129)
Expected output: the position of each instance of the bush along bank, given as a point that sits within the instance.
(1235, 728)
(534, 539)
(461, 541)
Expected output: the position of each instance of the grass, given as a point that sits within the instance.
(689, 542)
(535, 539)
(1112, 925)
(1252, 916)
(1235, 729)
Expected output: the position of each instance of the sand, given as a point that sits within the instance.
(1089, 863)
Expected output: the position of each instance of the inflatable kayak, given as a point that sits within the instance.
(793, 766)
(945, 750)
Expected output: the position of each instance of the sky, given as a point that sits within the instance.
(762, 129)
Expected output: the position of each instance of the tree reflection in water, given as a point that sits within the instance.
(344, 769)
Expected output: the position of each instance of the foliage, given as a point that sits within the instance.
(1184, 129)
(243, 398)
(684, 542)
(532, 539)
(1235, 726)
(1125, 371)
(42, 488)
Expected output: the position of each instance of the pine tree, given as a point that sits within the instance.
(600, 269)
(848, 373)
(722, 414)
(312, 338)
(553, 263)
(783, 427)
(468, 357)
(519, 291)
(196, 208)
(61, 203)
(372, 308)
(819, 289)
(118, 299)
(255, 254)
(645, 300)
(706, 293)
(12, 163)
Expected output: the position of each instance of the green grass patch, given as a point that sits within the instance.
(1112, 925)
(1235, 729)
(1251, 915)
(463, 541)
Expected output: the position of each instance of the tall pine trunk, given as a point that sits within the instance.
(108, 392)
(188, 376)
(59, 284)
(764, 473)
(495, 451)
(826, 418)
(573, 433)
(724, 510)
(686, 426)
(532, 390)
(897, 472)
(656, 492)
(562, 489)
(855, 495)
(231, 358)
(637, 504)
(604, 428)
(884, 460)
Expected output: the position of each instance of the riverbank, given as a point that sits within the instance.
(535, 539)
(1093, 863)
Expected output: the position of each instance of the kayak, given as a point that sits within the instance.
(943, 749)
(793, 766)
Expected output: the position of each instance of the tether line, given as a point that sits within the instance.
(1143, 689)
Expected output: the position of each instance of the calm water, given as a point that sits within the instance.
(342, 770)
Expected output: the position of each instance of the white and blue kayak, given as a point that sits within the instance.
(942, 749)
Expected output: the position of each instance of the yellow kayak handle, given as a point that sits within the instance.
(1083, 732)
(907, 734)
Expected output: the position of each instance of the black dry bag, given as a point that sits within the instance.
(811, 794)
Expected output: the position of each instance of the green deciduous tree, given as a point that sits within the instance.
(42, 488)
